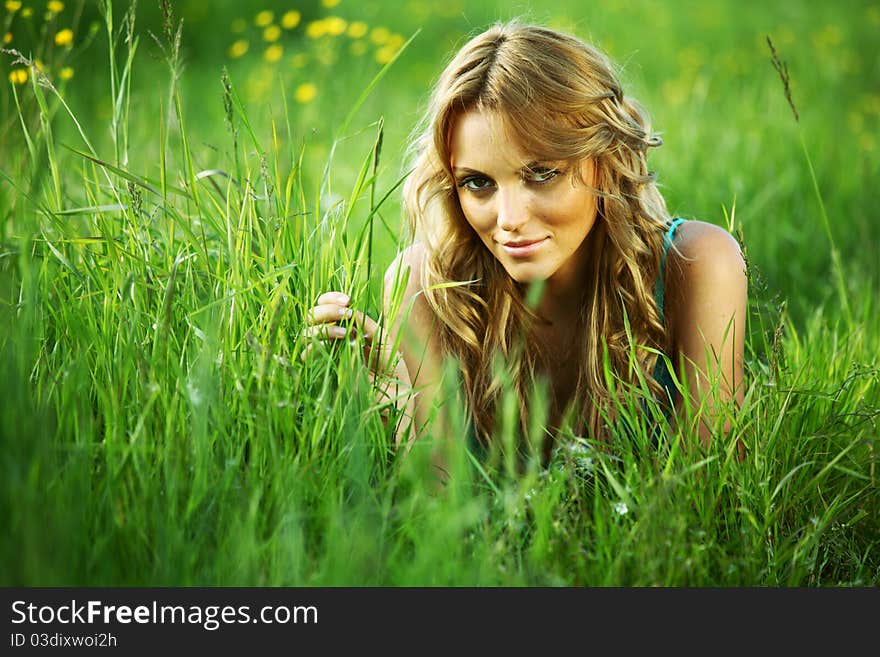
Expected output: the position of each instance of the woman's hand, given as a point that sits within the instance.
(332, 319)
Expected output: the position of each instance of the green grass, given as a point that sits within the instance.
(159, 253)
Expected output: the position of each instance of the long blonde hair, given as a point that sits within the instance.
(562, 100)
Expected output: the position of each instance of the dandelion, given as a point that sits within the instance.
(54, 6)
(65, 73)
(305, 92)
(290, 19)
(27, 12)
(385, 54)
(239, 25)
(238, 49)
(271, 33)
(7, 37)
(18, 75)
(273, 53)
(299, 60)
(329, 3)
(12, 6)
(358, 48)
(316, 29)
(620, 508)
(264, 18)
(379, 35)
(357, 29)
(335, 25)
(64, 37)
(395, 41)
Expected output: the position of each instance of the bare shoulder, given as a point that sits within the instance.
(704, 252)
(705, 281)
(405, 274)
(403, 301)
(408, 263)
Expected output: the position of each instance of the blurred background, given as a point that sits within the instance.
(702, 69)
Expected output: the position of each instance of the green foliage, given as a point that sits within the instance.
(166, 224)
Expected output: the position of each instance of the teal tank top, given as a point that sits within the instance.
(661, 372)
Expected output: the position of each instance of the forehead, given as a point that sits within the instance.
(482, 139)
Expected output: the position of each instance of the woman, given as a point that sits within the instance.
(532, 170)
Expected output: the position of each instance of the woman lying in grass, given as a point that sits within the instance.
(532, 170)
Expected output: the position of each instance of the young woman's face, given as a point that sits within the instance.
(534, 216)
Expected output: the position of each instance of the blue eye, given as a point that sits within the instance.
(475, 183)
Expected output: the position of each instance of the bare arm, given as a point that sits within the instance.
(411, 322)
(706, 314)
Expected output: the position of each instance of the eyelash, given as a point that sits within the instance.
(545, 175)
(534, 176)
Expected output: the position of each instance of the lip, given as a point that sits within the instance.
(522, 248)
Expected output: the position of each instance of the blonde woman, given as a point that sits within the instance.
(532, 169)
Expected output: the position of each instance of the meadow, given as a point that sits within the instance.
(178, 185)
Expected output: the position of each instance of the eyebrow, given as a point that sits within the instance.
(531, 166)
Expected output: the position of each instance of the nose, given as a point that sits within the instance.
(511, 210)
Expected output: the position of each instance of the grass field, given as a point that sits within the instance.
(171, 203)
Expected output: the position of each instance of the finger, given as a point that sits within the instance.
(325, 332)
(334, 297)
(304, 354)
(367, 325)
(327, 313)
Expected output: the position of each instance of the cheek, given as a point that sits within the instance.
(474, 214)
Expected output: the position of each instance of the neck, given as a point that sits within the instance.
(563, 294)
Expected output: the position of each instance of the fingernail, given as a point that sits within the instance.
(343, 298)
(345, 313)
(338, 331)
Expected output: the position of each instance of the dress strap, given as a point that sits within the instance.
(661, 277)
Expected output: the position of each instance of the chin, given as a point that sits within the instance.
(526, 274)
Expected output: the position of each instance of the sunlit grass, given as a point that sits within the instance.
(160, 428)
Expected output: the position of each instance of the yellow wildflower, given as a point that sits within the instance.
(264, 18)
(18, 75)
(65, 73)
(335, 25)
(7, 37)
(55, 7)
(12, 6)
(271, 33)
(299, 60)
(305, 92)
(357, 29)
(291, 19)
(316, 29)
(27, 12)
(395, 41)
(329, 3)
(273, 53)
(39, 64)
(358, 48)
(385, 54)
(238, 48)
(64, 37)
(379, 35)
(239, 25)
